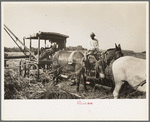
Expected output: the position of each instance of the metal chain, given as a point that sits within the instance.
(135, 87)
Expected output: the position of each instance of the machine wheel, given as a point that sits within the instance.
(22, 68)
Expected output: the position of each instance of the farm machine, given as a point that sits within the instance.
(31, 59)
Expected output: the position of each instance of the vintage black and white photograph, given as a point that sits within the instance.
(75, 51)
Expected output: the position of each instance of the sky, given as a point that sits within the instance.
(112, 22)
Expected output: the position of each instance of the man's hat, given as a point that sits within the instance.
(92, 35)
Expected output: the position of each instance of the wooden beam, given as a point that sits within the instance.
(16, 57)
(6, 28)
(45, 43)
(30, 49)
(106, 87)
(64, 43)
(38, 54)
(24, 44)
(14, 40)
(45, 62)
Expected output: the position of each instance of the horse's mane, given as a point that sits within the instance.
(111, 49)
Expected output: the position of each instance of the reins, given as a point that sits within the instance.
(57, 69)
(71, 74)
(105, 58)
(135, 87)
(140, 84)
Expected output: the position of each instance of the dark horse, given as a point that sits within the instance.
(108, 57)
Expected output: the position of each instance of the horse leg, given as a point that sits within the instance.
(116, 90)
(78, 80)
(56, 76)
(84, 79)
(78, 69)
(94, 85)
(112, 84)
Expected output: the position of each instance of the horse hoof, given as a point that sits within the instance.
(86, 90)
(93, 90)
(73, 83)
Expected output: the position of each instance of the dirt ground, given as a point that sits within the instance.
(19, 87)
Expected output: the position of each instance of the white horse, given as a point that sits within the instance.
(130, 69)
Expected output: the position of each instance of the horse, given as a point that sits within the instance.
(129, 69)
(69, 62)
(106, 60)
(44, 54)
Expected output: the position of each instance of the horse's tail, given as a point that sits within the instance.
(112, 83)
(100, 69)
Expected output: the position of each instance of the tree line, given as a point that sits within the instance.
(16, 49)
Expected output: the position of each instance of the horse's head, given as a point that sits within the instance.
(54, 46)
(112, 54)
(36, 51)
(106, 58)
(42, 50)
(118, 52)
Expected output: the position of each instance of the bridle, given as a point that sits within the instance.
(105, 57)
(107, 61)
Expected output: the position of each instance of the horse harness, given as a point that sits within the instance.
(84, 60)
(105, 57)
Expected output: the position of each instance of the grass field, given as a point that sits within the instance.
(19, 87)
(16, 53)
